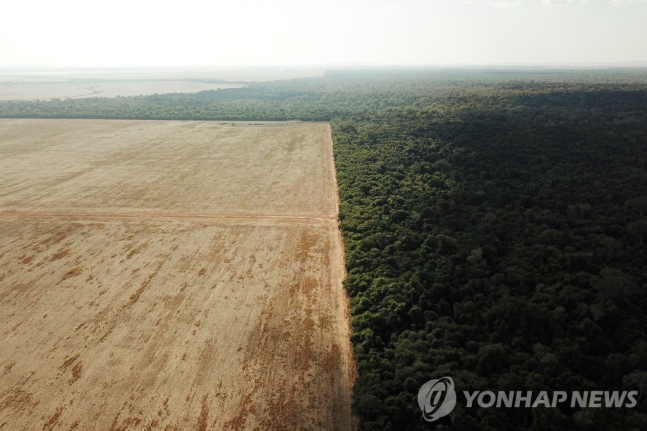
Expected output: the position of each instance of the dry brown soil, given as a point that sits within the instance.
(44, 84)
(204, 74)
(71, 90)
(171, 276)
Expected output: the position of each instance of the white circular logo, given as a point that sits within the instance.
(437, 398)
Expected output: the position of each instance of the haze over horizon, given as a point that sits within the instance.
(76, 34)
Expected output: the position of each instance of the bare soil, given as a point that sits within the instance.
(71, 90)
(171, 276)
(228, 74)
(44, 84)
(142, 166)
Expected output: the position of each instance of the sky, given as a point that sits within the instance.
(117, 33)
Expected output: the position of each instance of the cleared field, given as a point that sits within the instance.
(230, 74)
(71, 90)
(171, 315)
(17, 84)
(182, 167)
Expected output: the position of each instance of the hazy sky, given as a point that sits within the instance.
(249, 32)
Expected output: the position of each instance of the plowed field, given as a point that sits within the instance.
(171, 276)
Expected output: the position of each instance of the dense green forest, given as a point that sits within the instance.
(495, 226)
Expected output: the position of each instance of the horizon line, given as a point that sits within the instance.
(337, 65)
